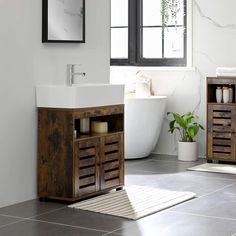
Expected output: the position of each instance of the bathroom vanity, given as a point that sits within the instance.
(75, 166)
(221, 121)
(72, 164)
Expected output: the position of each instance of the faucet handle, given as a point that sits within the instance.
(71, 67)
(71, 73)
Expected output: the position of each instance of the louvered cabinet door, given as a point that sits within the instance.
(87, 167)
(221, 132)
(112, 161)
(221, 146)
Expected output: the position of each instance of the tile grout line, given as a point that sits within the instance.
(66, 225)
(202, 215)
(47, 212)
(27, 218)
(209, 177)
(176, 161)
(12, 223)
(197, 176)
(48, 222)
(184, 171)
(205, 195)
(114, 231)
(10, 216)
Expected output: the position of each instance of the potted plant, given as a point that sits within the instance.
(188, 129)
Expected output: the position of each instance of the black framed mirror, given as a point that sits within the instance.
(63, 21)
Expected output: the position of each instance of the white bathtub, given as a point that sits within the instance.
(143, 123)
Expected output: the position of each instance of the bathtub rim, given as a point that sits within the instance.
(147, 98)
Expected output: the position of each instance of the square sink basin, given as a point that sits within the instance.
(79, 96)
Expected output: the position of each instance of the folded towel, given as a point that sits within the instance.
(226, 71)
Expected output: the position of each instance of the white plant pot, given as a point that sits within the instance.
(187, 151)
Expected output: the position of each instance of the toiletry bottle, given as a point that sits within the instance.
(225, 94)
(231, 93)
(218, 94)
(234, 89)
(75, 133)
(84, 125)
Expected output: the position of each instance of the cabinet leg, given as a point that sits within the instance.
(119, 188)
(42, 199)
(209, 161)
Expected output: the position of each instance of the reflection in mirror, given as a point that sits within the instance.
(63, 21)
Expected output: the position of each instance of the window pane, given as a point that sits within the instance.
(174, 42)
(152, 12)
(119, 43)
(152, 43)
(119, 12)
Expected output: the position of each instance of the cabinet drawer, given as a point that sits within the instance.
(221, 118)
(221, 146)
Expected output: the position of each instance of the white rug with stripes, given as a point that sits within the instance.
(216, 168)
(134, 202)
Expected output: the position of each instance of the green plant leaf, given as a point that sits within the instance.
(180, 120)
(172, 130)
(187, 128)
(188, 117)
(192, 131)
(200, 126)
(172, 124)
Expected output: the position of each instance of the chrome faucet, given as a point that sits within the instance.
(71, 73)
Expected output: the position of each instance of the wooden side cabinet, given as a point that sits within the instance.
(221, 122)
(72, 168)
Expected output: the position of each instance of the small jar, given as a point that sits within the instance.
(225, 94)
(219, 95)
(84, 125)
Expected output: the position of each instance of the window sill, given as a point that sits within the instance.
(153, 68)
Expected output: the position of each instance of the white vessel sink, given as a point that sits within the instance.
(79, 96)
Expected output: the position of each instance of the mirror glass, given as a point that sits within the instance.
(63, 20)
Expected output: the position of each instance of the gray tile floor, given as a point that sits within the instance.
(212, 213)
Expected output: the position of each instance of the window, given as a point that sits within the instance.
(139, 38)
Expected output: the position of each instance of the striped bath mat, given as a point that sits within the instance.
(134, 202)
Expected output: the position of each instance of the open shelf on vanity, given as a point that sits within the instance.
(115, 124)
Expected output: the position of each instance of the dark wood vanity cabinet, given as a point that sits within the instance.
(221, 122)
(71, 168)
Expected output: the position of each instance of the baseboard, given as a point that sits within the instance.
(168, 154)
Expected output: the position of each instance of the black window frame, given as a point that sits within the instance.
(135, 41)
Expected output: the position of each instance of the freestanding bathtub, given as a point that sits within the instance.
(143, 122)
